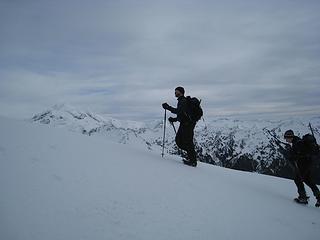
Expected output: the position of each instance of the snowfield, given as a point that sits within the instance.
(243, 144)
(62, 185)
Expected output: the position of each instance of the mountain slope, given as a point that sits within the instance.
(233, 143)
(56, 184)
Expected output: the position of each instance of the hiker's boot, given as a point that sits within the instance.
(190, 163)
(301, 200)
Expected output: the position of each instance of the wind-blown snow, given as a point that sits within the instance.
(57, 184)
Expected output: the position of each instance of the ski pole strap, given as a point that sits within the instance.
(174, 128)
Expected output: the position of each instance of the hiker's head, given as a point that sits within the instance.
(179, 91)
(288, 136)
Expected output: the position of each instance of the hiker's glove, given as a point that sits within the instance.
(166, 106)
(172, 120)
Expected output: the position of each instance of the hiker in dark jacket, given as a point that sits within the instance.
(302, 165)
(184, 137)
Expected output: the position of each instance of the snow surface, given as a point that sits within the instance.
(57, 184)
(227, 137)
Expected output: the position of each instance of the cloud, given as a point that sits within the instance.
(126, 57)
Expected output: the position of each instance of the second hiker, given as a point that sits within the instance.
(301, 156)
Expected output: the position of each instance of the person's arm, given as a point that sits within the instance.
(180, 110)
(168, 107)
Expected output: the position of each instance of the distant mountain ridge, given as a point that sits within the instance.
(233, 143)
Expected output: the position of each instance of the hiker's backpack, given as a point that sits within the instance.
(309, 145)
(194, 110)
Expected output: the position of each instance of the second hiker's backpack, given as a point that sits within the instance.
(194, 110)
(309, 145)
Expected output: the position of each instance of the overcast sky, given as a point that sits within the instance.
(125, 58)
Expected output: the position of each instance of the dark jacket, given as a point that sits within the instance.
(181, 110)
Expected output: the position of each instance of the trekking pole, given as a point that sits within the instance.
(175, 131)
(174, 128)
(277, 140)
(311, 129)
(164, 130)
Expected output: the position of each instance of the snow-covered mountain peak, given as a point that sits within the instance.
(68, 115)
(86, 122)
(75, 119)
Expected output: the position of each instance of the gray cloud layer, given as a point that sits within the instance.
(126, 57)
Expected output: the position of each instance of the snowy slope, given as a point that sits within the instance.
(57, 184)
(234, 143)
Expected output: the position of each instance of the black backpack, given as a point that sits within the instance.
(309, 145)
(194, 110)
